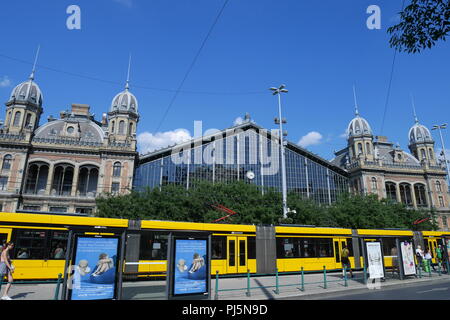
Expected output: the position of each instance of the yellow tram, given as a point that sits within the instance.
(41, 241)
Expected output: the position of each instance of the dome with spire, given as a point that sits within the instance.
(124, 101)
(419, 134)
(28, 92)
(358, 126)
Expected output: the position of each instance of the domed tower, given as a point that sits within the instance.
(360, 137)
(24, 107)
(123, 117)
(421, 143)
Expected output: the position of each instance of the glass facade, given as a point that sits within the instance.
(250, 155)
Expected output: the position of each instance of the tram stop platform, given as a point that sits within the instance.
(314, 286)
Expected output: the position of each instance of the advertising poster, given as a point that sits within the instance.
(375, 260)
(190, 265)
(409, 266)
(95, 268)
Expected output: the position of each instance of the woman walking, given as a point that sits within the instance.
(6, 268)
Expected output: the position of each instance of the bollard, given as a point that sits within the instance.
(324, 277)
(216, 291)
(345, 277)
(58, 283)
(420, 272)
(248, 283)
(277, 290)
(365, 275)
(302, 288)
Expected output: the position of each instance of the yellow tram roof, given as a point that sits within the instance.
(313, 230)
(61, 219)
(384, 232)
(175, 225)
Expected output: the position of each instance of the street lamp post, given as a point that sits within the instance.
(280, 121)
(437, 127)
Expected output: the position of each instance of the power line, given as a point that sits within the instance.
(390, 83)
(191, 66)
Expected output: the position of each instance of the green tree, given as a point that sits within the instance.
(422, 23)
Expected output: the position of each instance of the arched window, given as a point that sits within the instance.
(405, 194)
(360, 149)
(424, 155)
(62, 179)
(438, 186)
(7, 162)
(87, 181)
(117, 168)
(431, 153)
(122, 127)
(419, 191)
(131, 128)
(17, 119)
(391, 191)
(37, 176)
(112, 127)
(374, 184)
(368, 148)
(28, 120)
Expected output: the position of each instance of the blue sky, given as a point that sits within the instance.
(318, 49)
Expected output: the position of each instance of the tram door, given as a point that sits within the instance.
(236, 254)
(432, 245)
(338, 244)
(5, 235)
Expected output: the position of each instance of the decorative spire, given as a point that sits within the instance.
(127, 85)
(34, 64)
(356, 103)
(414, 109)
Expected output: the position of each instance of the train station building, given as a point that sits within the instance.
(63, 165)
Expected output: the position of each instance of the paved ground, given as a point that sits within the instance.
(263, 288)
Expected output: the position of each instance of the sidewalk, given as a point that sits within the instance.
(262, 288)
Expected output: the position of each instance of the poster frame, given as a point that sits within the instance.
(170, 290)
(366, 256)
(400, 255)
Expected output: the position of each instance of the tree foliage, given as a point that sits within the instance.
(175, 203)
(422, 23)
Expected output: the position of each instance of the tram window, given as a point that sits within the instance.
(219, 247)
(325, 247)
(251, 247)
(30, 244)
(388, 246)
(58, 246)
(287, 248)
(153, 246)
(349, 243)
(308, 247)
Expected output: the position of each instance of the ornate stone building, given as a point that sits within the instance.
(375, 165)
(63, 165)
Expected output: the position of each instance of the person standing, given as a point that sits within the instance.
(428, 258)
(6, 268)
(444, 257)
(346, 261)
(439, 256)
(419, 256)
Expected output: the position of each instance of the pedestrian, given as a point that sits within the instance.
(439, 256)
(444, 258)
(346, 261)
(428, 258)
(6, 268)
(419, 256)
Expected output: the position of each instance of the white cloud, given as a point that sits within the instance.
(5, 82)
(127, 3)
(344, 135)
(312, 138)
(238, 121)
(148, 142)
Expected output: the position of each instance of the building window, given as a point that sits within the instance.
(368, 148)
(360, 149)
(58, 209)
(441, 201)
(17, 119)
(374, 183)
(115, 187)
(131, 128)
(3, 183)
(83, 210)
(438, 186)
(37, 175)
(112, 127)
(31, 208)
(444, 221)
(405, 194)
(424, 156)
(28, 121)
(122, 127)
(117, 168)
(419, 190)
(431, 153)
(7, 162)
(391, 191)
